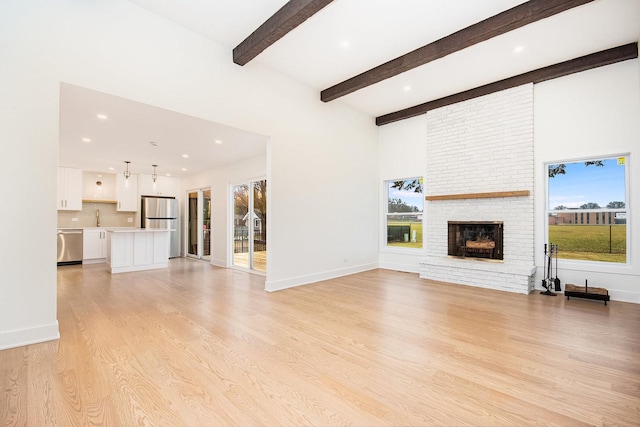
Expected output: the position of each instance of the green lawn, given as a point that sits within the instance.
(590, 242)
(417, 226)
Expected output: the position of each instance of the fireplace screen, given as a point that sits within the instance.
(475, 239)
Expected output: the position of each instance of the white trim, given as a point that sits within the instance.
(219, 262)
(586, 265)
(250, 229)
(403, 267)
(384, 208)
(21, 337)
(94, 261)
(272, 286)
(199, 224)
(130, 268)
(248, 270)
(404, 251)
(614, 294)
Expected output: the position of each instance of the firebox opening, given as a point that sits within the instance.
(475, 239)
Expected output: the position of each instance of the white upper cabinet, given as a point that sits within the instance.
(164, 186)
(127, 193)
(69, 189)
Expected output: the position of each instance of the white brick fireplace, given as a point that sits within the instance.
(480, 146)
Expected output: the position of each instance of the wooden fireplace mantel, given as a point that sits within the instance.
(519, 193)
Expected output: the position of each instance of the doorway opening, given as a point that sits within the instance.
(250, 225)
(199, 224)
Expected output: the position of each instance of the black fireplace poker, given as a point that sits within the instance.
(547, 281)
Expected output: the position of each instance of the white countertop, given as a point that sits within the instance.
(95, 228)
(116, 229)
(133, 230)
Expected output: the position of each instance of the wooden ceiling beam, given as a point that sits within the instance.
(509, 20)
(292, 14)
(583, 63)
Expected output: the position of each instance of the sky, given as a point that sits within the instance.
(583, 184)
(410, 197)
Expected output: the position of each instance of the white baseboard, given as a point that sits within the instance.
(278, 285)
(405, 268)
(18, 338)
(219, 263)
(624, 296)
(614, 294)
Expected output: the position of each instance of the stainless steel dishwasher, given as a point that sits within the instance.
(69, 246)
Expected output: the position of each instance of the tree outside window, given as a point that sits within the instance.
(596, 189)
(404, 213)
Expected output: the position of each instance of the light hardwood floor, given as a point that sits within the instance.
(198, 345)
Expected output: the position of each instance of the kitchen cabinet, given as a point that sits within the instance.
(94, 245)
(164, 186)
(127, 193)
(137, 249)
(69, 189)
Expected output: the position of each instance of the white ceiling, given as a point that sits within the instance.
(348, 37)
(131, 128)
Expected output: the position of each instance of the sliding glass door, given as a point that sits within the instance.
(199, 225)
(250, 225)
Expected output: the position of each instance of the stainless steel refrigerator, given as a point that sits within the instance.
(162, 212)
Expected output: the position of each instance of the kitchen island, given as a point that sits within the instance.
(137, 249)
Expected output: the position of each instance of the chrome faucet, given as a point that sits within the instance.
(97, 217)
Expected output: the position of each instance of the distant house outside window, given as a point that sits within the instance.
(596, 188)
(405, 205)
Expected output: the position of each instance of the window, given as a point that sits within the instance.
(404, 213)
(593, 187)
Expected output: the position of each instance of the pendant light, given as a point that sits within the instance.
(155, 175)
(127, 174)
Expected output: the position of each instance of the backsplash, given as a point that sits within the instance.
(109, 216)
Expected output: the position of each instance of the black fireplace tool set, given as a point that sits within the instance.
(548, 282)
(553, 284)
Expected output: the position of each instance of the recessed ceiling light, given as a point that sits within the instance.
(86, 139)
(345, 44)
(102, 116)
(217, 141)
(186, 156)
(518, 49)
(167, 174)
(184, 169)
(111, 168)
(406, 88)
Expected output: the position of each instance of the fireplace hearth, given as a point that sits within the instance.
(485, 191)
(476, 239)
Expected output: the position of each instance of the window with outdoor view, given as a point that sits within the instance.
(587, 209)
(404, 213)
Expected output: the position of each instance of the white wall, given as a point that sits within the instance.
(324, 192)
(402, 155)
(591, 114)
(588, 114)
(28, 137)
